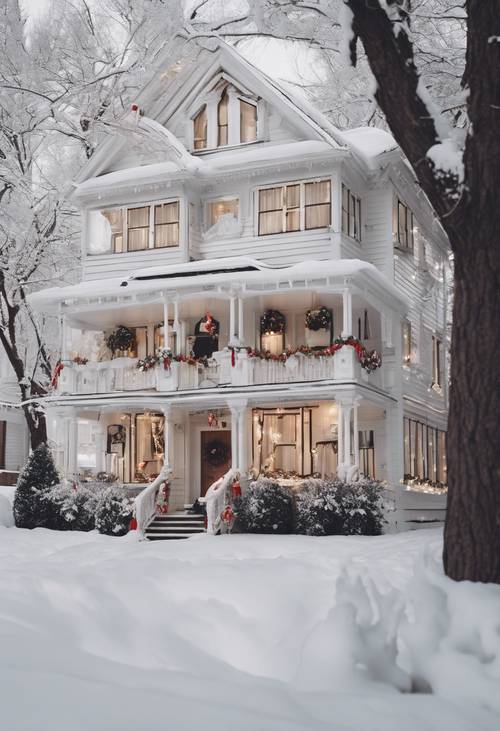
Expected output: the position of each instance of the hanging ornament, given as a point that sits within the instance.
(212, 419)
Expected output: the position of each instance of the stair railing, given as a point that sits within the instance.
(145, 502)
(216, 499)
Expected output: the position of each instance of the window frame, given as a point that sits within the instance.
(284, 208)
(406, 342)
(351, 216)
(404, 237)
(437, 362)
(151, 236)
(423, 447)
(207, 206)
(202, 110)
(253, 104)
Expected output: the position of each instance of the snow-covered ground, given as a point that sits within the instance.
(244, 632)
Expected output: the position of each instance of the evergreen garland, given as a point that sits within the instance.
(31, 508)
(120, 339)
(318, 319)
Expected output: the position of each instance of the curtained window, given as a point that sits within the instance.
(217, 209)
(223, 119)
(351, 214)
(403, 224)
(406, 341)
(436, 361)
(3, 435)
(424, 452)
(295, 207)
(167, 225)
(138, 228)
(200, 129)
(248, 122)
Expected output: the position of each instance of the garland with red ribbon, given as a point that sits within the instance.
(57, 372)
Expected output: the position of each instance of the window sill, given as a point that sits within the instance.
(131, 253)
(222, 148)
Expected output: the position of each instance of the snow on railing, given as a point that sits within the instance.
(216, 499)
(145, 502)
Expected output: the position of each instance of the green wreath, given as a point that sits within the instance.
(216, 453)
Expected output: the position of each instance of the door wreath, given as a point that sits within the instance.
(216, 453)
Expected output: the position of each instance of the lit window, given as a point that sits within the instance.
(167, 225)
(403, 226)
(248, 122)
(222, 119)
(115, 219)
(217, 209)
(424, 452)
(406, 342)
(351, 214)
(295, 207)
(436, 361)
(137, 228)
(200, 129)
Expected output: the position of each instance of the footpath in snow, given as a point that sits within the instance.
(246, 632)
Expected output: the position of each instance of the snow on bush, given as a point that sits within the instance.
(71, 507)
(113, 512)
(331, 507)
(39, 475)
(265, 507)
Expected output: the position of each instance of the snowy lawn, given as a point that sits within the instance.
(243, 632)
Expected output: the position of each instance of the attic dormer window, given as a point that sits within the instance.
(200, 129)
(228, 116)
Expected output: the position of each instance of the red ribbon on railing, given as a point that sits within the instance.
(57, 372)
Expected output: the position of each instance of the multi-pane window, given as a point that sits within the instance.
(437, 349)
(166, 225)
(200, 129)
(403, 225)
(294, 207)
(217, 209)
(406, 342)
(351, 214)
(223, 119)
(248, 122)
(424, 452)
(137, 229)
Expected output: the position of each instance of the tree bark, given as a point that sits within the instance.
(470, 215)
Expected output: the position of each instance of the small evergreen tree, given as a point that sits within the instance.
(71, 507)
(265, 507)
(39, 475)
(318, 512)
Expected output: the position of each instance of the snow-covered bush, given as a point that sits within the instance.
(71, 507)
(332, 507)
(39, 475)
(265, 507)
(317, 510)
(113, 512)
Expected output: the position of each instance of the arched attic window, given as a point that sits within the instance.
(200, 129)
(223, 119)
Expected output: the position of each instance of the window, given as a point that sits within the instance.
(424, 452)
(223, 119)
(406, 342)
(3, 433)
(200, 129)
(403, 226)
(294, 207)
(138, 228)
(351, 214)
(166, 225)
(367, 453)
(248, 122)
(149, 447)
(436, 361)
(217, 209)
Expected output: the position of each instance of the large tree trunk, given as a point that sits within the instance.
(472, 530)
(37, 426)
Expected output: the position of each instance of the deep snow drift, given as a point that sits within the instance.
(244, 632)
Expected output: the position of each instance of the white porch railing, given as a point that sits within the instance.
(216, 499)
(145, 502)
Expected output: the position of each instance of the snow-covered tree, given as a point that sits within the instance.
(31, 509)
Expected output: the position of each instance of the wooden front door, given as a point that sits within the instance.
(215, 457)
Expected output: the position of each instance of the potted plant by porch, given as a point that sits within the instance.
(319, 327)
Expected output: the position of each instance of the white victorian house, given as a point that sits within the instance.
(242, 258)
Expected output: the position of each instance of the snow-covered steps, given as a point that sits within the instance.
(175, 526)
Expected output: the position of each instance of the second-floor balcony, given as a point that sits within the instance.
(227, 324)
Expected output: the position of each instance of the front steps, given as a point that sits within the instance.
(175, 526)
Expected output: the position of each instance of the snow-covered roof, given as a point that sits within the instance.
(199, 275)
(369, 143)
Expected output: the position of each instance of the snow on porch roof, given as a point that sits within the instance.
(156, 281)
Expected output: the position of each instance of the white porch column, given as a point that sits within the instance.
(165, 322)
(340, 435)
(64, 338)
(239, 435)
(347, 434)
(100, 448)
(233, 338)
(177, 328)
(356, 433)
(346, 313)
(168, 437)
(72, 461)
(241, 326)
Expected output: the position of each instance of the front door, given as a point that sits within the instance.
(215, 457)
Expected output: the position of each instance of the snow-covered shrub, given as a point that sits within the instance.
(265, 507)
(332, 507)
(113, 512)
(361, 507)
(72, 507)
(37, 478)
(317, 509)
